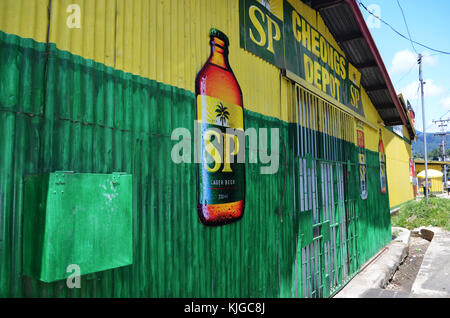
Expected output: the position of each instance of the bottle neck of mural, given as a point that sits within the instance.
(219, 53)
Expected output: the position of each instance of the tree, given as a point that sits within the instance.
(222, 113)
(434, 154)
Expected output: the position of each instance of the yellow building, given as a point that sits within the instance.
(399, 160)
(437, 184)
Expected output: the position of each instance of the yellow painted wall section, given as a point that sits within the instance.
(167, 41)
(28, 19)
(162, 40)
(372, 136)
(95, 39)
(398, 154)
(406, 133)
(314, 19)
(436, 185)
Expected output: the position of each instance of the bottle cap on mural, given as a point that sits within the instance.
(219, 34)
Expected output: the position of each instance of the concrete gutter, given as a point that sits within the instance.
(379, 270)
(433, 278)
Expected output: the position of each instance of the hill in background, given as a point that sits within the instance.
(433, 142)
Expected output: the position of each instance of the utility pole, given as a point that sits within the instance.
(442, 123)
(424, 126)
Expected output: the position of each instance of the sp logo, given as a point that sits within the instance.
(355, 96)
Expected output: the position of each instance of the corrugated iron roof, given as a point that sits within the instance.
(344, 20)
(410, 126)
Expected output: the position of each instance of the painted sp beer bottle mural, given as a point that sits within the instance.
(382, 155)
(220, 113)
(361, 159)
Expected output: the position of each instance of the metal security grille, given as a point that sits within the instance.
(324, 155)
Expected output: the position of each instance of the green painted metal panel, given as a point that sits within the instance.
(308, 161)
(76, 219)
(306, 223)
(325, 231)
(35, 206)
(23, 72)
(374, 222)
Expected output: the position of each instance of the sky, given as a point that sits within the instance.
(429, 24)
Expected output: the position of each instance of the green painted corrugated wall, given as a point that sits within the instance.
(59, 111)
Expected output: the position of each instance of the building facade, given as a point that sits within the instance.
(98, 87)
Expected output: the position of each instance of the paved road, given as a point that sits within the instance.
(384, 293)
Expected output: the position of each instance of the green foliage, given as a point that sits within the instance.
(418, 213)
(433, 142)
(434, 154)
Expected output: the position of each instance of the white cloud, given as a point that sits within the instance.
(412, 92)
(431, 89)
(404, 60)
(429, 59)
(445, 102)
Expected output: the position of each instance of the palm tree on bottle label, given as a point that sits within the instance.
(222, 114)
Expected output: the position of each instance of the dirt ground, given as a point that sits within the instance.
(407, 271)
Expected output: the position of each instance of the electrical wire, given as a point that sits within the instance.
(435, 54)
(444, 114)
(407, 28)
(400, 34)
(406, 74)
(438, 52)
(416, 96)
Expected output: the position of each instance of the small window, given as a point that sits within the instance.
(398, 130)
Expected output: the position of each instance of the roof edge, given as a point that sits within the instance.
(374, 50)
(410, 126)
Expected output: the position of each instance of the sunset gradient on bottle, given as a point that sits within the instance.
(221, 193)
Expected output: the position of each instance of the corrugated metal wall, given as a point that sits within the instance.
(114, 121)
(106, 98)
(398, 154)
(26, 18)
(166, 41)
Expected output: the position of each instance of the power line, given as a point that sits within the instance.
(444, 114)
(407, 28)
(417, 92)
(400, 34)
(434, 54)
(406, 74)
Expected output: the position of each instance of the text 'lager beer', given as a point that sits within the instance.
(220, 112)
